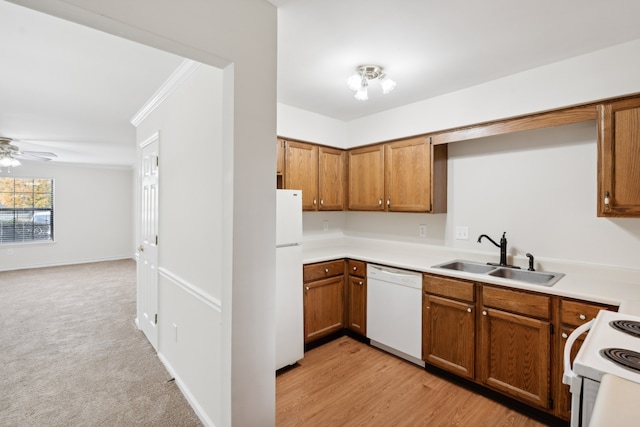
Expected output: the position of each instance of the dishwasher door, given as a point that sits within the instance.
(394, 311)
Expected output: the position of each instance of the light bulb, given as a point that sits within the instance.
(8, 161)
(361, 94)
(386, 83)
(355, 81)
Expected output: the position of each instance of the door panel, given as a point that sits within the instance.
(147, 268)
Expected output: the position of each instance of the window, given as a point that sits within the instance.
(26, 210)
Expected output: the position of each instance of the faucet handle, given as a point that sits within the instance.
(530, 262)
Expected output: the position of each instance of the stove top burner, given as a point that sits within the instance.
(627, 326)
(626, 358)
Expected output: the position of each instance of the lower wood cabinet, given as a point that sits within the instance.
(324, 295)
(515, 344)
(573, 313)
(357, 297)
(448, 324)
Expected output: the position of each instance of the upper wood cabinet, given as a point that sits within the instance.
(619, 159)
(409, 182)
(320, 172)
(332, 178)
(301, 171)
(366, 178)
(408, 175)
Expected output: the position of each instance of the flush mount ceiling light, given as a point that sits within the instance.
(363, 75)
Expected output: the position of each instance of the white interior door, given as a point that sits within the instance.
(148, 246)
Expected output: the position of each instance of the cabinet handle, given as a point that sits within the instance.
(582, 317)
(564, 335)
(606, 201)
(321, 202)
(314, 202)
(360, 282)
(380, 202)
(306, 288)
(484, 312)
(355, 268)
(326, 270)
(388, 202)
(468, 309)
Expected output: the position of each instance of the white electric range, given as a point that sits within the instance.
(611, 347)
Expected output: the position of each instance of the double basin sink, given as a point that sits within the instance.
(526, 276)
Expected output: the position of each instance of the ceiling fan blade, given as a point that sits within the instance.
(39, 153)
(30, 156)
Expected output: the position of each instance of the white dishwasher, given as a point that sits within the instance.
(394, 311)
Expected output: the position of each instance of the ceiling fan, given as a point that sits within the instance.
(10, 155)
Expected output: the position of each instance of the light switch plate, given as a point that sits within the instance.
(462, 232)
(422, 230)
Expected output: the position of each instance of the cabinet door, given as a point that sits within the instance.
(301, 164)
(279, 163)
(280, 157)
(448, 334)
(323, 308)
(357, 312)
(408, 175)
(366, 178)
(332, 179)
(564, 397)
(514, 356)
(619, 159)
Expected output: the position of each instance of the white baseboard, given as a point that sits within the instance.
(187, 394)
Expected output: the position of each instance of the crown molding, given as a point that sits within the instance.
(184, 70)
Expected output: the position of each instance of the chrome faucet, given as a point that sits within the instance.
(502, 246)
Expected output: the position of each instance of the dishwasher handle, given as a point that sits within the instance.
(393, 271)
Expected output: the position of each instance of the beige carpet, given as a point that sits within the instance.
(71, 355)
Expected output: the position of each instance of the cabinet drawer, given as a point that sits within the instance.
(450, 288)
(357, 268)
(322, 270)
(575, 313)
(535, 305)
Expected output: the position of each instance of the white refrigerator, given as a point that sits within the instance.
(289, 309)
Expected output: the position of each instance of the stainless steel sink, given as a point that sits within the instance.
(534, 277)
(466, 266)
(543, 278)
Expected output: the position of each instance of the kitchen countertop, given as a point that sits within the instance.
(584, 281)
(597, 283)
(617, 403)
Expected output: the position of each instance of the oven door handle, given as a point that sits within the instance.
(569, 377)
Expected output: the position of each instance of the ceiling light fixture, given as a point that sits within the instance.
(359, 81)
(6, 161)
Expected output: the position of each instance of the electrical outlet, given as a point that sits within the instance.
(325, 225)
(462, 232)
(422, 230)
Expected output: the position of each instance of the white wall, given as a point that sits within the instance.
(307, 126)
(602, 74)
(239, 37)
(189, 123)
(538, 186)
(92, 216)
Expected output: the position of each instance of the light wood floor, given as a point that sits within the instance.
(347, 383)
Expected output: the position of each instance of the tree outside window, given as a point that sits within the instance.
(26, 210)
